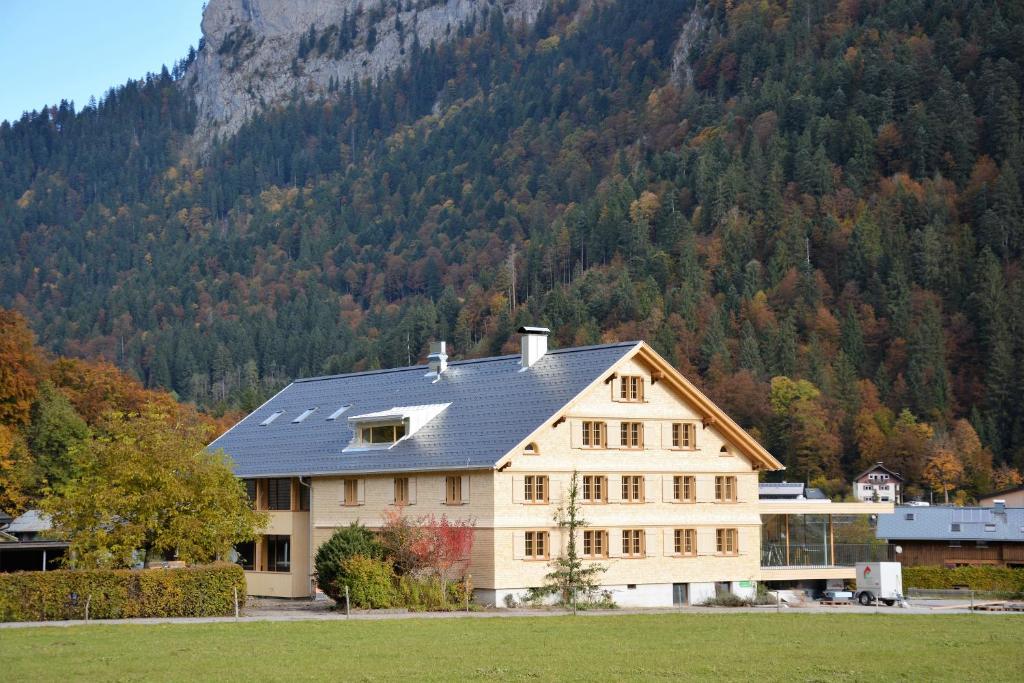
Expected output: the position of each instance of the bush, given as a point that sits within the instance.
(727, 600)
(996, 579)
(121, 593)
(371, 582)
(331, 556)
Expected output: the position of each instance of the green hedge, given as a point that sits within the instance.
(996, 579)
(121, 593)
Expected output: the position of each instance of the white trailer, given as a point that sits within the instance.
(879, 581)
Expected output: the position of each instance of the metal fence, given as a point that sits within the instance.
(822, 555)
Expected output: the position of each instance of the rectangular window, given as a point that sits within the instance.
(725, 489)
(631, 434)
(278, 553)
(382, 434)
(726, 541)
(632, 542)
(303, 415)
(685, 542)
(631, 388)
(351, 492)
(453, 490)
(633, 488)
(272, 417)
(684, 489)
(595, 434)
(536, 545)
(535, 489)
(279, 494)
(595, 489)
(684, 435)
(303, 497)
(595, 544)
(245, 555)
(401, 490)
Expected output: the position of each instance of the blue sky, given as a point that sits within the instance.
(72, 49)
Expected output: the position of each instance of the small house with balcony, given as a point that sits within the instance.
(878, 484)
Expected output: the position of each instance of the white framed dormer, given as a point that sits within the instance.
(385, 429)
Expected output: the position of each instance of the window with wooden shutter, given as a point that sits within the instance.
(631, 434)
(535, 488)
(685, 542)
(595, 488)
(401, 490)
(351, 492)
(250, 492)
(453, 490)
(684, 489)
(595, 544)
(631, 388)
(633, 543)
(726, 541)
(725, 489)
(535, 545)
(595, 434)
(633, 488)
(684, 435)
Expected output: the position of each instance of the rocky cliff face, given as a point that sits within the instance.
(257, 53)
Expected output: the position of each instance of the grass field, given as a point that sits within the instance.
(763, 647)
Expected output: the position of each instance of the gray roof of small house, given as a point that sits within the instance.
(935, 523)
(789, 490)
(494, 405)
(31, 521)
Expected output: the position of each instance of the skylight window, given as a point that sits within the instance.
(305, 413)
(272, 418)
(337, 413)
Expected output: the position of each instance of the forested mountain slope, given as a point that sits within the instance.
(828, 194)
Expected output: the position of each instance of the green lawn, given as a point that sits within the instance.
(763, 647)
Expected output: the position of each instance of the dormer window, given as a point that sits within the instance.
(381, 434)
(385, 428)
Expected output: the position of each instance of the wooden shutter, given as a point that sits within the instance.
(576, 433)
(613, 434)
(615, 543)
(360, 491)
(652, 436)
(667, 485)
(666, 435)
(556, 487)
(465, 488)
(517, 489)
(668, 542)
(412, 490)
(650, 542)
(614, 488)
(651, 486)
(518, 545)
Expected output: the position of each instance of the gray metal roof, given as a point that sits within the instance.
(937, 523)
(494, 405)
(31, 521)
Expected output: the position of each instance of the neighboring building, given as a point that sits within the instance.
(953, 536)
(1012, 498)
(878, 483)
(25, 544)
(669, 482)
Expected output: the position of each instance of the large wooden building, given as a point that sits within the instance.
(669, 481)
(949, 536)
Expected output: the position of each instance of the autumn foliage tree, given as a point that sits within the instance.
(20, 366)
(944, 472)
(147, 483)
(442, 546)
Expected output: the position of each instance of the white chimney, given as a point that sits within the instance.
(438, 359)
(999, 506)
(534, 344)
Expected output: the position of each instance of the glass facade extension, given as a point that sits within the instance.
(818, 541)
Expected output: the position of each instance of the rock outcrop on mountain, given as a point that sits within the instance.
(257, 53)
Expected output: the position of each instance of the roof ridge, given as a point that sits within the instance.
(465, 361)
